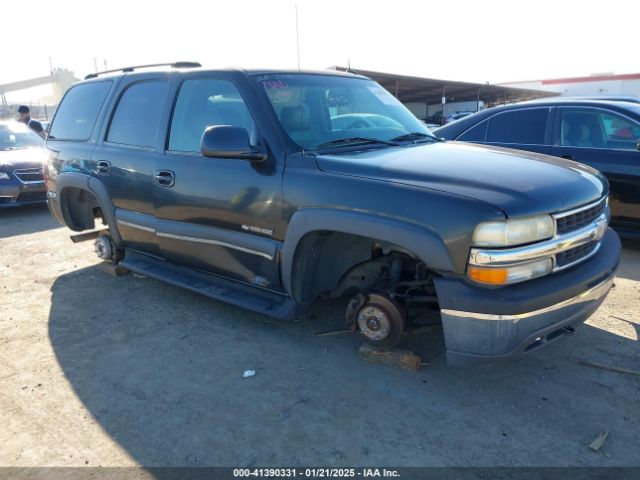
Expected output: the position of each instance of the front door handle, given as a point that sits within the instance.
(568, 157)
(165, 178)
(103, 167)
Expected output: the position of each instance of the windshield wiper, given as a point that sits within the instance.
(414, 136)
(356, 141)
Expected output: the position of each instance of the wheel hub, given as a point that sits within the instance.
(374, 323)
(102, 247)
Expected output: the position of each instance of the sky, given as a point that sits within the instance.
(479, 41)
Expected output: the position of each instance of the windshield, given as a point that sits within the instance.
(325, 111)
(16, 135)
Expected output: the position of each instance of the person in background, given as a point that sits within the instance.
(25, 117)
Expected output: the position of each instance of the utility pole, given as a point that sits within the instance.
(297, 39)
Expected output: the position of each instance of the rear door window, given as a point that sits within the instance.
(137, 116)
(526, 126)
(78, 112)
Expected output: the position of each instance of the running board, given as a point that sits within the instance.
(228, 291)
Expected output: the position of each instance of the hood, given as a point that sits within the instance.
(22, 158)
(520, 183)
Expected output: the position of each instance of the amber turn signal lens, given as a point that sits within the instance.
(494, 276)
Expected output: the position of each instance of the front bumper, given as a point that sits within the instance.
(485, 325)
(14, 193)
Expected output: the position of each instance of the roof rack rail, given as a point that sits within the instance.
(131, 69)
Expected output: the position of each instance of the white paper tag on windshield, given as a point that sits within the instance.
(383, 95)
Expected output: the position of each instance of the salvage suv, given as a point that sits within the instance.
(270, 189)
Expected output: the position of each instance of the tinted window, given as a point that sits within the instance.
(201, 104)
(478, 133)
(584, 127)
(137, 116)
(77, 114)
(519, 126)
(620, 132)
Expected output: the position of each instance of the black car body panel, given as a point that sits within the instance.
(528, 184)
(618, 159)
(290, 225)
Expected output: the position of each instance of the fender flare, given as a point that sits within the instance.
(98, 190)
(424, 243)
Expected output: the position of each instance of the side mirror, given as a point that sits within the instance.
(225, 141)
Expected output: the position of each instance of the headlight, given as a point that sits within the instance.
(514, 274)
(4, 176)
(514, 232)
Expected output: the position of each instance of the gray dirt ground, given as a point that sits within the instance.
(96, 370)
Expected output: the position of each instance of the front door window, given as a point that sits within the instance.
(591, 128)
(203, 103)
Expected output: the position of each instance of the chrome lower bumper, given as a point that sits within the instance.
(590, 295)
(474, 338)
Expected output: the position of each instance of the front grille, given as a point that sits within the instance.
(574, 254)
(579, 219)
(30, 175)
(32, 197)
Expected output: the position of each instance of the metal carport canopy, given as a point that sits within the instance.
(430, 90)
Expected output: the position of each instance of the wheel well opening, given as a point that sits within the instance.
(334, 264)
(80, 208)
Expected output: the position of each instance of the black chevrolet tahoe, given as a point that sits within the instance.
(270, 189)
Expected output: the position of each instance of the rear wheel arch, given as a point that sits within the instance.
(78, 207)
(82, 199)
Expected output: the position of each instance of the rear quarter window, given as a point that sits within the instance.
(477, 133)
(77, 114)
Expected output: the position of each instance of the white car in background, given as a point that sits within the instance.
(457, 116)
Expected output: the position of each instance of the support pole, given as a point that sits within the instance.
(444, 101)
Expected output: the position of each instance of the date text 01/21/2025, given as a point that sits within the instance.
(315, 473)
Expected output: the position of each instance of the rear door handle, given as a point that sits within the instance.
(103, 167)
(165, 178)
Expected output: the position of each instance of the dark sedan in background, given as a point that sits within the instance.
(603, 134)
(21, 165)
